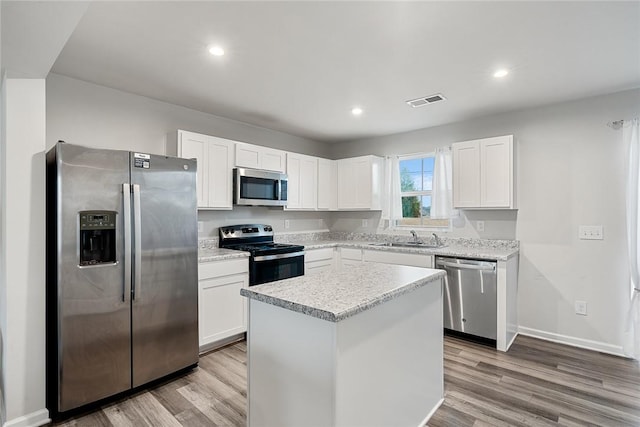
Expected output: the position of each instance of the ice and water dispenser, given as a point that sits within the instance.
(97, 237)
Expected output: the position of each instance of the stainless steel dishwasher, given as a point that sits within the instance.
(470, 300)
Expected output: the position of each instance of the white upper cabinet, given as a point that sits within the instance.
(215, 166)
(360, 183)
(327, 185)
(484, 173)
(466, 174)
(258, 157)
(302, 186)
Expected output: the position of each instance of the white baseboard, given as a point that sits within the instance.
(433, 411)
(34, 419)
(602, 347)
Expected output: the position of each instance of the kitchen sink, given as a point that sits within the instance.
(408, 245)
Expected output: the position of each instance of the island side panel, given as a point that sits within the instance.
(507, 295)
(390, 361)
(290, 362)
(512, 300)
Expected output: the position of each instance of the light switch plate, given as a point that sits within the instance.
(286, 223)
(590, 232)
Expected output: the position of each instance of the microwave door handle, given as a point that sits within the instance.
(279, 189)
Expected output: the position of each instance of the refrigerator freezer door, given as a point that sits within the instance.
(92, 304)
(165, 296)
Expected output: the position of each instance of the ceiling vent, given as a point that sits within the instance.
(419, 102)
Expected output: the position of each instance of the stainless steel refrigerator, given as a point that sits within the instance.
(122, 272)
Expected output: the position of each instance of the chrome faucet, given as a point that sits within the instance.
(416, 239)
(437, 239)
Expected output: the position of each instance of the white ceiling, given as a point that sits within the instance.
(299, 67)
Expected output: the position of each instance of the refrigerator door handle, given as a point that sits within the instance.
(137, 242)
(126, 214)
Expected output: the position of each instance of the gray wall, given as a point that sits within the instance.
(571, 172)
(87, 114)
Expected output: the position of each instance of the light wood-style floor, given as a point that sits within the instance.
(536, 383)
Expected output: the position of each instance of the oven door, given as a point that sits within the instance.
(269, 268)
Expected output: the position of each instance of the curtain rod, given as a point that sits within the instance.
(619, 124)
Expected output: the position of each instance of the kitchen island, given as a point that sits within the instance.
(360, 346)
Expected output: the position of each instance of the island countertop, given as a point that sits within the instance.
(337, 295)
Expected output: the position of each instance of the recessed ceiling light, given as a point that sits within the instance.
(356, 111)
(501, 73)
(216, 51)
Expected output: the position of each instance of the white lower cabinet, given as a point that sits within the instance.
(319, 260)
(350, 256)
(222, 311)
(400, 258)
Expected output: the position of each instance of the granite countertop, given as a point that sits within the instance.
(337, 295)
(453, 250)
(219, 254)
(498, 250)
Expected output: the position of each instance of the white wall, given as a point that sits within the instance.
(571, 172)
(87, 114)
(22, 253)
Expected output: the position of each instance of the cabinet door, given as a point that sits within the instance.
(350, 256)
(309, 182)
(273, 160)
(294, 164)
(222, 310)
(346, 184)
(196, 146)
(496, 172)
(247, 156)
(220, 173)
(327, 184)
(363, 184)
(360, 183)
(466, 174)
(258, 157)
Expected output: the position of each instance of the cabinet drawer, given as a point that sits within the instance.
(207, 270)
(350, 253)
(399, 258)
(318, 254)
(318, 266)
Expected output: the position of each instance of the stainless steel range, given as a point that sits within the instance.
(269, 261)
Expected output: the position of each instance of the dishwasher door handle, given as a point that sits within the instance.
(465, 266)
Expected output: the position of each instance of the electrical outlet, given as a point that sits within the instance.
(200, 226)
(590, 232)
(286, 223)
(581, 307)
(480, 225)
(365, 223)
(320, 223)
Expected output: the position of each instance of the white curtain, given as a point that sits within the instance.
(392, 209)
(442, 186)
(632, 328)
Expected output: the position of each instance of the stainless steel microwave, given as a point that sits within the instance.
(254, 187)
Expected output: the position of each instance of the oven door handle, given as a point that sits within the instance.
(278, 256)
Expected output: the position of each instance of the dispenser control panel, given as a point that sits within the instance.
(93, 220)
(97, 237)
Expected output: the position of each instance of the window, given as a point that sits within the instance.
(416, 175)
